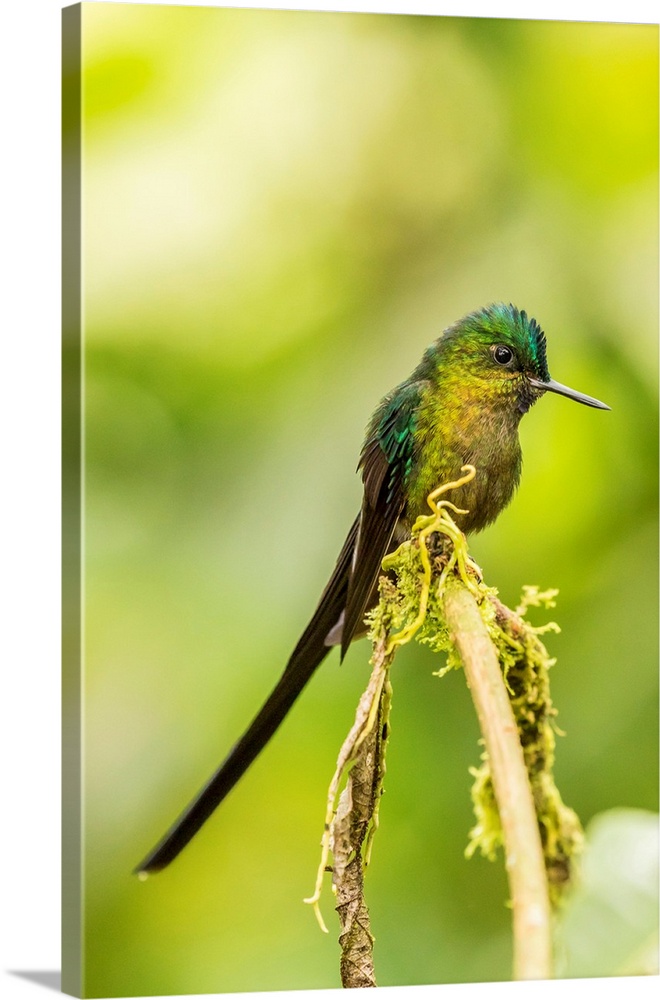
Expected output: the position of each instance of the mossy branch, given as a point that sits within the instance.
(434, 592)
(513, 794)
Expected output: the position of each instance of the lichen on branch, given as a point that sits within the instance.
(525, 664)
(431, 590)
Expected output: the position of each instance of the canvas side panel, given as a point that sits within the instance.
(72, 976)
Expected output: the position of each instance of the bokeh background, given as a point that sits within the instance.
(280, 211)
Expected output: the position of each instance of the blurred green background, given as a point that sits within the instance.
(281, 210)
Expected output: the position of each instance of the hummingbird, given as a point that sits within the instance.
(462, 405)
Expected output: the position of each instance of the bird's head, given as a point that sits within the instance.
(499, 354)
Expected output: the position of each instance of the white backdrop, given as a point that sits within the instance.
(29, 490)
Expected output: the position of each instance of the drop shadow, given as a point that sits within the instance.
(50, 980)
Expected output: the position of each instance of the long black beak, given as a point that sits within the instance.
(563, 390)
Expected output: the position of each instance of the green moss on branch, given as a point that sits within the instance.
(525, 664)
(433, 591)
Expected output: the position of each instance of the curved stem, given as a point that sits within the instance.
(532, 944)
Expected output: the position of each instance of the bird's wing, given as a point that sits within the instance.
(385, 461)
(312, 644)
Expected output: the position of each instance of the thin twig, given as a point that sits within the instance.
(352, 830)
(355, 815)
(346, 830)
(522, 841)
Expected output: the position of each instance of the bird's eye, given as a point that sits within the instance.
(502, 354)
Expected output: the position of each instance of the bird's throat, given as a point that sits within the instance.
(452, 432)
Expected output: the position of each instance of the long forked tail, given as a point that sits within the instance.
(306, 657)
